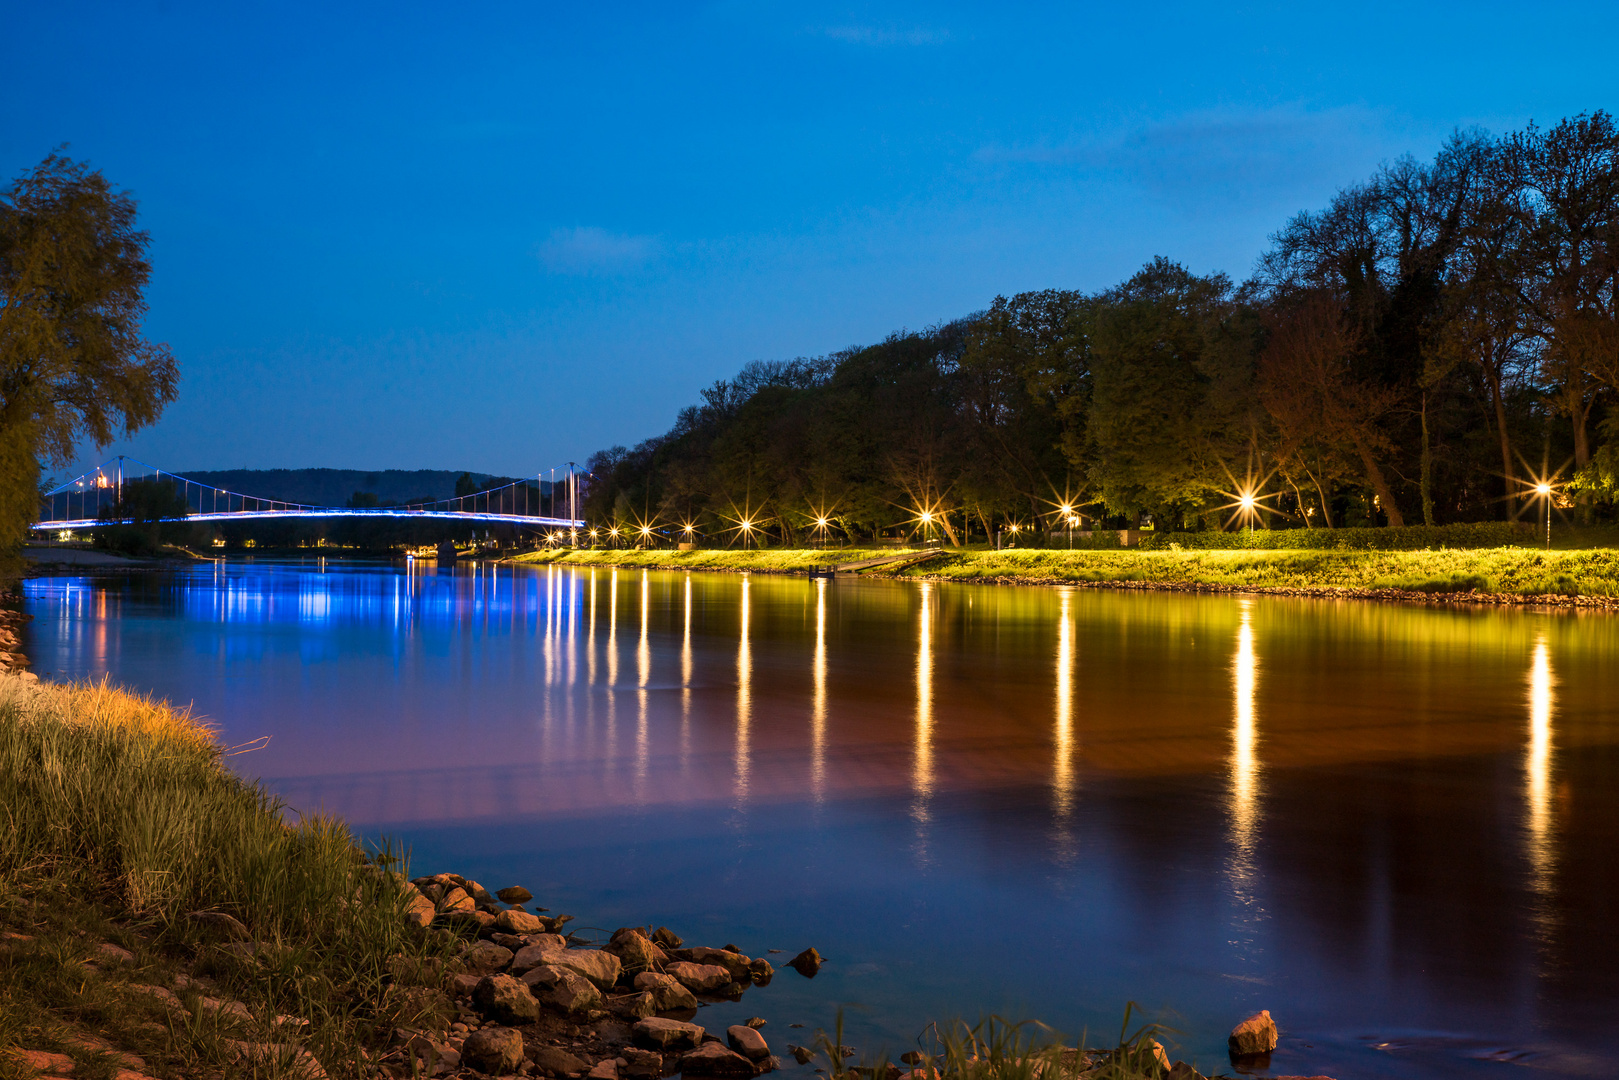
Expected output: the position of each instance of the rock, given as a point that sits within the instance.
(636, 951)
(635, 1006)
(419, 910)
(729, 959)
(667, 992)
(486, 956)
(518, 922)
(514, 894)
(284, 1059)
(806, 963)
(514, 942)
(665, 938)
(557, 1061)
(479, 894)
(604, 1070)
(43, 1060)
(700, 978)
(463, 985)
(436, 1058)
(108, 953)
(494, 1050)
(756, 1021)
(661, 1034)
(1255, 1035)
(747, 1041)
(1159, 1054)
(599, 967)
(802, 1054)
(712, 1059)
(639, 1064)
(566, 990)
(1183, 1071)
(761, 972)
(457, 900)
(235, 1010)
(505, 1000)
(221, 924)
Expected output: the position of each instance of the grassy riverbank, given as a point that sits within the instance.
(1502, 572)
(118, 821)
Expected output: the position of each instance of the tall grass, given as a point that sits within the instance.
(122, 798)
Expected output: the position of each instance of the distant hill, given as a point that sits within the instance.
(333, 487)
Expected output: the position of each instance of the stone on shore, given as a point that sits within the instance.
(761, 972)
(639, 1063)
(737, 964)
(486, 956)
(806, 963)
(1255, 1035)
(1183, 1071)
(505, 1000)
(635, 950)
(518, 922)
(600, 968)
(422, 1006)
(419, 910)
(700, 978)
(563, 989)
(712, 1059)
(660, 1034)
(747, 1041)
(604, 1070)
(667, 992)
(493, 1050)
(665, 938)
(514, 894)
(557, 1062)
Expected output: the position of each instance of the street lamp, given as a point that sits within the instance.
(1544, 491)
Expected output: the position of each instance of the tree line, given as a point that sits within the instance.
(1424, 349)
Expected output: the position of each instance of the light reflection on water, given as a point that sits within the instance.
(1211, 804)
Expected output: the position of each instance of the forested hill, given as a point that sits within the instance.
(334, 487)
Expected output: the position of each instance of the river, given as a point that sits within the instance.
(1394, 826)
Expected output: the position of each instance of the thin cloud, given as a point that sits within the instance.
(587, 249)
(1224, 154)
(881, 36)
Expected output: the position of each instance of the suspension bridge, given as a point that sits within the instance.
(99, 498)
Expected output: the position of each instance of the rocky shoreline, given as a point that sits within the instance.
(12, 659)
(523, 997)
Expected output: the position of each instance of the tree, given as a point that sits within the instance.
(73, 362)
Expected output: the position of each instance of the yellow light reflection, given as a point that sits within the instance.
(922, 769)
(1062, 766)
(685, 678)
(643, 650)
(1538, 771)
(1244, 757)
(818, 702)
(744, 703)
(643, 658)
(612, 630)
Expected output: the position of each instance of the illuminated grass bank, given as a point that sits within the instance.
(1497, 572)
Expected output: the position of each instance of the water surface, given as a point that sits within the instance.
(1393, 826)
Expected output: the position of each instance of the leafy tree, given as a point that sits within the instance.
(73, 362)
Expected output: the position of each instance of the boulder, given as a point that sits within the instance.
(806, 963)
(665, 938)
(761, 972)
(565, 990)
(747, 1041)
(505, 1000)
(599, 967)
(435, 1058)
(518, 922)
(463, 985)
(635, 1006)
(1255, 1035)
(660, 1034)
(640, 1064)
(422, 1006)
(733, 962)
(486, 956)
(532, 956)
(479, 894)
(802, 1054)
(419, 910)
(1183, 1071)
(493, 1050)
(667, 992)
(701, 978)
(604, 1070)
(108, 953)
(635, 951)
(557, 1061)
(713, 1059)
(457, 900)
(514, 894)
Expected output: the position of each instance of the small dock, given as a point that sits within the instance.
(902, 559)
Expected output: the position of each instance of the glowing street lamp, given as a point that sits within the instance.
(1543, 491)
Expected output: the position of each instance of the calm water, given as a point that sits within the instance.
(1392, 826)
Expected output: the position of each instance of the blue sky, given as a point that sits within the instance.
(504, 236)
